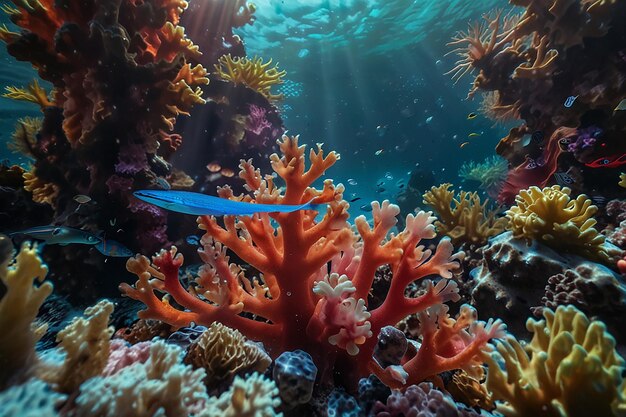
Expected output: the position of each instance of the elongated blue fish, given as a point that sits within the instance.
(63, 235)
(206, 205)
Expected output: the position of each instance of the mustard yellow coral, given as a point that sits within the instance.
(34, 93)
(463, 218)
(224, 352)
(551, 216)
(570, 368)
(622, 180)
(43, 192)
(253, 73)
(18, 309)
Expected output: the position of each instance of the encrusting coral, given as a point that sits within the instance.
(569, 368)
(551, 216)
(254, 73)
(315, 278)
(463, 218)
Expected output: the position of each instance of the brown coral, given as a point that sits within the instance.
(224, 352)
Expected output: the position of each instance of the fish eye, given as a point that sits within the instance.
(605, 162)
(56, 231)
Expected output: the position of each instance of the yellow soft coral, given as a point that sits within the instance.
(253, 73)
(551, 216)
(34, 93)
(43, 192)
(464, 218)
(570, 368)
(18, 309)
(85, 342)
(224, 352)
(622, 180)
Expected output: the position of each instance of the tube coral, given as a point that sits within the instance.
(463, 218)
(569, 368)
(254, 73)
(551, 216)
(339, 262)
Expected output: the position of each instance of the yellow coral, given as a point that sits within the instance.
(224, 352)
(570, 368)
(469, 390)
(551, 216)
(43, 192)
(24, 136)
(85, 342)
(7, 36)
(18, 309)
(252, 73)
(622, 180)
(464, 218)
(34, 93)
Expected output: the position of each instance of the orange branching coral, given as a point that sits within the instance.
(252, 72)
(543, 60)
(463, 218)
(43, 192)
(315, 276)
(34, 93)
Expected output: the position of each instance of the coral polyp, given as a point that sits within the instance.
(254, 73)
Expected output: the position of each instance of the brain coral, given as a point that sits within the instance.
(551, 216)
(569, 368)
(224, 352)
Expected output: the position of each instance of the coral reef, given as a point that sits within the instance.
(31, 399)
(570, 367)
(540, 65)
(465, 219)
(121, 75)
(294, 373)
(551, 216)
(490, 173)
(333, 318)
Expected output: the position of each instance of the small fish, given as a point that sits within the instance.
(214, 177)
(366, 207)
(355, 199)
(59, 235)
(214, 167)
(193, 240)
(473, 135)
(303, 52)
(563, 179)
(569, 102)
(352, 181)
(378, 152)
(608, 162)
(463, 145)
(228, 173)
(162, 182)
(599, 200)
(471, 116)
(621, 106)
(109, 247)
(82, 199)
(429, 119)
(206, 205)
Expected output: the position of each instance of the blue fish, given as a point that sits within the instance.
(63, 235)
(113, 248)
(205, 205)
(569, 102)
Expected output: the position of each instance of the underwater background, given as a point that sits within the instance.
(313, 208)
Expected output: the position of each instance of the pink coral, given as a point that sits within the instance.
(315, 277)
(122, 355)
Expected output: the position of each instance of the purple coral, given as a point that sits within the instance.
(131, 159)
(421, 401)
(259, 130)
